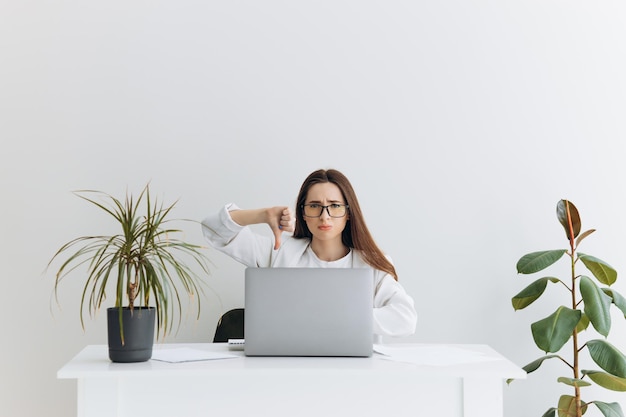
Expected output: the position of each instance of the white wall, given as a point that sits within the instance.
(460, 123)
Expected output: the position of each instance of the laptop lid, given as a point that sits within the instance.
(309, 311)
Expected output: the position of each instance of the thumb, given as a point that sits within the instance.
(277, 235)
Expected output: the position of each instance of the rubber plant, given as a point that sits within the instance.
(145, 264)
(589, 302)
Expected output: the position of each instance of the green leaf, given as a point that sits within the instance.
(550, 413)
(608, 357)
(567, 406)
(531, 293)
(597, 305)
(537, 261)
(608, 381)
(534, 365)
(551, 333)
(567, 213)
(618, 300)
(603, 272)
(609, 410)
(583, 323)
(573, 382)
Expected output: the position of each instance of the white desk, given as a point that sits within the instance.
(468, 383)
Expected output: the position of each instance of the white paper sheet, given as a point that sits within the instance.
(432, 355)
(185, 354)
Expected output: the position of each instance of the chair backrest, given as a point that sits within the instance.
(230, 326)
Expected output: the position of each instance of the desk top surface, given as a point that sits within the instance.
(446, 359)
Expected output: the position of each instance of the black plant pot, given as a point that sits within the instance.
(138, 327)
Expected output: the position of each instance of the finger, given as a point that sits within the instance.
(287, 223)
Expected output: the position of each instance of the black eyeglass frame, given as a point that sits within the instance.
(327, 210)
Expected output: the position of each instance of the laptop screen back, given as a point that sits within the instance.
(309, 311)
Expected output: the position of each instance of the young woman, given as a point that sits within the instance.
(328, 230)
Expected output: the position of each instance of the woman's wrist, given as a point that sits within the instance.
(249, 217)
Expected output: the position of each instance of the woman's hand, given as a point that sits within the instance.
(280, 219)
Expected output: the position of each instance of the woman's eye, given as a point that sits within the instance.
(335, 206)
(315, 206)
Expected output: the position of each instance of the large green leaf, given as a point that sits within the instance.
(573, 382)
(554, 331)
(566, 211)
(534, 365)
(609, 410)
(597, 305)
(536, 261)
(551, 333)
(567, 406)
(618, 300)
(603, 272)
(608, 381)
(531, 293)
(608, 357)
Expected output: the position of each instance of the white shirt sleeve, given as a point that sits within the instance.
(236, 241)
(394, 310)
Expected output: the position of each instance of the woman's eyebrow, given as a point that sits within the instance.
(330, 201)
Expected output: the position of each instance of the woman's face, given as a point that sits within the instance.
(323, 226)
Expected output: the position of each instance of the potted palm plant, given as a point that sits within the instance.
(145, 266)
(588, 304)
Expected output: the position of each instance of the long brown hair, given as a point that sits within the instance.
(356, 234)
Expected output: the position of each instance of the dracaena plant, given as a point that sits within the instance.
(144, 263)
(574, 327)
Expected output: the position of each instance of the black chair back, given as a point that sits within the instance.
(230, 326)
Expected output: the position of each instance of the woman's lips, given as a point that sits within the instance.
(325, 227)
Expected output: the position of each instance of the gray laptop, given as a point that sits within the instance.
(309, 312)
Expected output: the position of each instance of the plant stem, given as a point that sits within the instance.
(575, 333)
(133, 289)
(574, 305)
(575, 341)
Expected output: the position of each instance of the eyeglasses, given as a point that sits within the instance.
(316, 210)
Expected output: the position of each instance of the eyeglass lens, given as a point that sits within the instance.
(316, 210)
